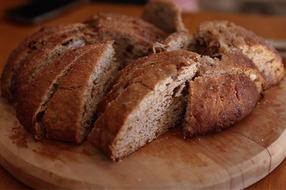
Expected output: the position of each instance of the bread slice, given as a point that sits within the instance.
(217, 37)
(33, 65)
(216, 102)
(164, 14)
(67, 109)
(175, 41)
(34, 98)
(146, 100)
(27, 48)
(133, 36)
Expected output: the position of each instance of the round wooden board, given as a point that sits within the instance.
(232, 159)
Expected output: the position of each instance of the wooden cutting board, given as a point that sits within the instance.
(235, 158)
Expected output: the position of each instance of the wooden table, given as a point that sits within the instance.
(11, 35)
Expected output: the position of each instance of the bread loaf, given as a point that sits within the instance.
(62, 79)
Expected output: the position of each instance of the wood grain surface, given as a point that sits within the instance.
(266, 26)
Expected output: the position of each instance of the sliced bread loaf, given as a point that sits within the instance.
(34, 98)
(67, 112)
(217, 37)
(146, 100)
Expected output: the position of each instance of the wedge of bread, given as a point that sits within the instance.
(68, 111)
(216, 102)
(217, 37)
(144, 103)
(33, 101)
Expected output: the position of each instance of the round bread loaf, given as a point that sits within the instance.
(62, 79)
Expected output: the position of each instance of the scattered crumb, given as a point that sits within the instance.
(19, 137)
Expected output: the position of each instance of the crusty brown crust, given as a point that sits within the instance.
(216, 102)
(233, 62)
(135, 82)
(231, 35)
(218, 37)
(164, 14)
(37, 62)
(62, 119)
(36, 94)
(28, 47)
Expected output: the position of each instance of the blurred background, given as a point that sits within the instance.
(36, 11)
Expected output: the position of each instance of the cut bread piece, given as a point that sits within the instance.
(217, 37)
(175, 41)
(28, 47)
(66, 111)
(133, 36)
(146, 100)
(216, 102)
(231, 63)
(33, 65)
(34, 97)
(164, 14)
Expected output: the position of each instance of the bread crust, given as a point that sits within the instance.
(233, 62)
(216, 102)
